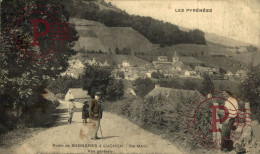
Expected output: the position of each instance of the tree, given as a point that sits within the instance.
(117, 50)
(62, 84)
(250, 89)
(157, 75)
(222, 71)
(23, 82)
(207, 84)
(143, 86)
(120, 74)
(115, 90)
(97, 78)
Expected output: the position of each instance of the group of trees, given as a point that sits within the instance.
(249, 90)
(157, 75)
(157, 32)
(62, 84)
(99, 79)
(23, 82)
(124, 51)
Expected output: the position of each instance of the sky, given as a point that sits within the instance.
(237, 19)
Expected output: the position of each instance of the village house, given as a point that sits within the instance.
(125, 64)
(130, 92)
(190, 73)
(229, 73)
(240, 73)
(162, 60)
(170, 69)
(200, 70)
(76, 63)
(149, 75)
(131, 75)
(173, 94)
(72, 72)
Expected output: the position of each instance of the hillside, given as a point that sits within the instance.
(97, 36)
(111, 16)
(108, 33)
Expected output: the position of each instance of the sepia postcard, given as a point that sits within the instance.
(130, 76)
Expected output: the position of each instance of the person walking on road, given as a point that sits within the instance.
(71, 110)
(85, 112)
(96, 114)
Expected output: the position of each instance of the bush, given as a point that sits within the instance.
(62, 84)
(157, 75)
(165, 117)
(143, 86)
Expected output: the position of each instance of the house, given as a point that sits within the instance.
(78, 94)
(106, 64)
(174, 94)
(130, 91)
(190, 73)
(163, 58)
(149, 74)
(87, 61)
(178, 65)
(125, 64)
(131, 75)
(241, 73)
(72, 72)
(201, 70)
(229, 73)
(76, 63)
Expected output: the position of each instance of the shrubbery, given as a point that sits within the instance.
(165, 117)
(143, 86)
(62, 84)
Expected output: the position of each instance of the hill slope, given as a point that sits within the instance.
(97, 36)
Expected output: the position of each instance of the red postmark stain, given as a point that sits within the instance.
(37, 33)
(217, 120)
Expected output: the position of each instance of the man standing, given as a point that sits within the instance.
(227, 126)
(96, 114)
(71, 110)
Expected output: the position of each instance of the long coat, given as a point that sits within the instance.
(95, 109)
(85, 112)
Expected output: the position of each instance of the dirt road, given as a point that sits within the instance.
(119, 136)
